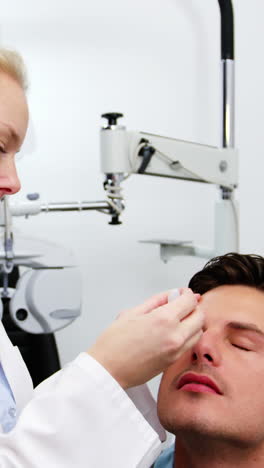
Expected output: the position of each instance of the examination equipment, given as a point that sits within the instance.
(126, 152)
(122, 153)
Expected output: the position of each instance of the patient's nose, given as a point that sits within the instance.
(206, 350)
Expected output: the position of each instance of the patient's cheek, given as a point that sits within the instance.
(180, 365)
(174, 370)
(166, 381)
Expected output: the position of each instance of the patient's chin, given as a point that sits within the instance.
(177, 427)
(201, 430)
(178, 422)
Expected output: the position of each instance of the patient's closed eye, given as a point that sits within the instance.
(243, 348)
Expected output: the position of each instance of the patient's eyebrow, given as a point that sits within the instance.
(246, 326)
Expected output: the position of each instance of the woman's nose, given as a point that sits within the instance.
(9, 181)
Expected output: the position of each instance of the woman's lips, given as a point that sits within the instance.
(198, 383)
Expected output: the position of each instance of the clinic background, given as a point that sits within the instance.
(158, 62)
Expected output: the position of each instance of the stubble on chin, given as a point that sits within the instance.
(183, 416)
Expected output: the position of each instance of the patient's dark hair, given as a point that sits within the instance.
(233, 269)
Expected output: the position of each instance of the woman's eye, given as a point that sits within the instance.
(2, 150)
(240, 347)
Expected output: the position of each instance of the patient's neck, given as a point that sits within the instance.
(193, 451)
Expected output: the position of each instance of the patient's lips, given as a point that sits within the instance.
(197, 383)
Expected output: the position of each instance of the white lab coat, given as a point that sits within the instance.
(78, 418)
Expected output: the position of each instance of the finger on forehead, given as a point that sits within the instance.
(177, 292)
(180, 307)
(152, 303)
(159, 300)
(184, 290)
(191, 325)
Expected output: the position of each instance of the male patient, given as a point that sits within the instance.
(212, 398)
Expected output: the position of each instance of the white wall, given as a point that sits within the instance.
(157, 62)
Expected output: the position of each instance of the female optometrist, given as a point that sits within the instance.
(95, 412)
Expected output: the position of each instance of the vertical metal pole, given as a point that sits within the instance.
(228, 75)
(228, 72)
(226, 218)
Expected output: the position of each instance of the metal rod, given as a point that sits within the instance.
(228, 73)
(228, 110)
(228, 81)
(76, 206)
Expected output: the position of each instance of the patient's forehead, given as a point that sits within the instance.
(233, 302)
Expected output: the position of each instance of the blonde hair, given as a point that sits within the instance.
(13, 65)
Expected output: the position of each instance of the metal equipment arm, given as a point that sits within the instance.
(124, 153)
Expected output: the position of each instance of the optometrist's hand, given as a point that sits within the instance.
(145, 340)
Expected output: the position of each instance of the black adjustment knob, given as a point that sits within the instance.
(21, 314)
(115, 220)
(112, 117)
(146, 153)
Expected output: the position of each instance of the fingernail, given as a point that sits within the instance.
(173, 294)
